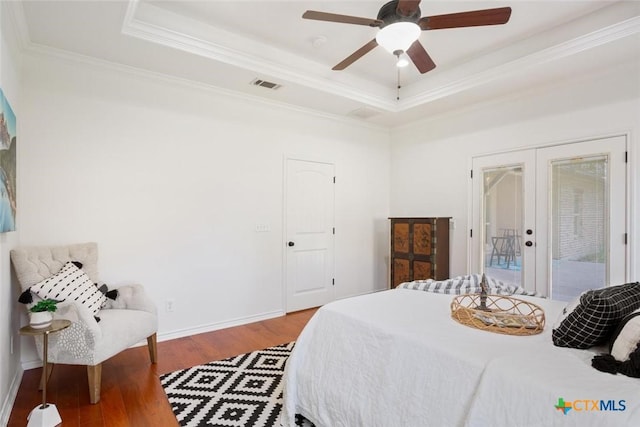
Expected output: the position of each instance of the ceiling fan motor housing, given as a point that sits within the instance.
(388, 14)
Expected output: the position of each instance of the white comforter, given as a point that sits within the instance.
(396, 358)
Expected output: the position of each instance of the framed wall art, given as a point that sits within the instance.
(7, 166)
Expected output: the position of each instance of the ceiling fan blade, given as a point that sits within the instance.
(420, 57)
(473, 18)
(342, 19)
(356, 55)
(407, 7)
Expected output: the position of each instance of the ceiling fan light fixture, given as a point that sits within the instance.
(402, 61)
(398, 36)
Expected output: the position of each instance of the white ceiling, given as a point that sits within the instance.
(227, 44)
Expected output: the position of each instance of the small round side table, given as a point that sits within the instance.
(45, 415)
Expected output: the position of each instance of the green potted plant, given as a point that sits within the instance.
(41, 314)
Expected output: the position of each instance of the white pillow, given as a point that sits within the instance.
(567, 310)
(627, 336)
(73, 285)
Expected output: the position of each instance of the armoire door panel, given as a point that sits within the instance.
(419, 249)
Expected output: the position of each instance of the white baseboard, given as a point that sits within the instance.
(31, 364)
(7, 405)
(209, 327)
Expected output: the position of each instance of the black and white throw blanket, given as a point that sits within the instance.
(469, 284)
(242, 391)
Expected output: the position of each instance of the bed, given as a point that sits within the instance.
(397, 358)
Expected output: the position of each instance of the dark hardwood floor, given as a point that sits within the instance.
(131, 393)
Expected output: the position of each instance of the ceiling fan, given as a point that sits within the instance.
(400, 26)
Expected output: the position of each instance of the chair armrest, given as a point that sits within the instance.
(133, 297)
(78, 314)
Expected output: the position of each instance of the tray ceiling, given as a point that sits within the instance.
(229, 44)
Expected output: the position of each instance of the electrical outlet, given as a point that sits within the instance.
(170, 305)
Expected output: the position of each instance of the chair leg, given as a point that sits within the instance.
(94, 375)
(152, 343)
(44, 378)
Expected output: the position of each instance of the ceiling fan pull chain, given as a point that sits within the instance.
(398, 92)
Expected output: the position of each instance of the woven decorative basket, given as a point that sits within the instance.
(504, 315)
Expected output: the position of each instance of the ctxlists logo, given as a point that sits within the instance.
(590, 405)
(563, 406)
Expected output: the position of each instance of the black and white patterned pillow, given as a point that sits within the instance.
(71, 284)
(624, 357)
(594, 319)
(626, 337)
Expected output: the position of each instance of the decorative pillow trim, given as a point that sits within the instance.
(26, 297)
(111, 294)
(607, 363)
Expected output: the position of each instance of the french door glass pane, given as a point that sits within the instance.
(503, 208)
(579, 224)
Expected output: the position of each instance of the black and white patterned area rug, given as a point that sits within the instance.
(242, 391)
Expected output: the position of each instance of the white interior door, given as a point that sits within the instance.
(309, 232)
(552, 219)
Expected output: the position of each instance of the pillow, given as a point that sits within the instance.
(593, 320)
(624, 349)
(626, 337)
(71, 284)
(567, 310)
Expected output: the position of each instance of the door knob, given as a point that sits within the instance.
(528, 243)
(529, 231)
(291, 243)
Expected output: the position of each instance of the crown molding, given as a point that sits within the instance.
(571, 47)
(38, 50)
(515, 97)
(135, 26)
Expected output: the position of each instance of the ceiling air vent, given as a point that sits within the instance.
(265, 84)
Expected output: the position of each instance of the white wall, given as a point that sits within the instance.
(430, 161)
(171, 181)
(10, 370)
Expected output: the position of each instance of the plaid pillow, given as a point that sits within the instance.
(595, 318)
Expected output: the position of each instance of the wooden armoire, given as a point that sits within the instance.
(419, 249)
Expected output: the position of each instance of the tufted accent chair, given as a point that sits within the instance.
(132, 317)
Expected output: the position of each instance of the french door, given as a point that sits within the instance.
(552, 219)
